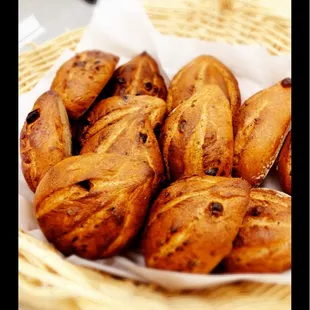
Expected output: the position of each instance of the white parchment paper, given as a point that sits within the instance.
(123, 28)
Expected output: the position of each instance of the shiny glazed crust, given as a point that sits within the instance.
(201, 71)
(125, 125)
(183, 233)
(197, 137)
(139, 76)
(263, 243)
(92, 205)
(45, 138)
(261, 126)
(80, 80)
(284, 165)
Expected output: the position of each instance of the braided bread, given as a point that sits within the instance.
(197, 137)
(263, 243)
(81, 79)
(261, 126)
(125, 125)
(92, 205)
(201, 71)
(193, 223)
(139, 76)
(45, 138)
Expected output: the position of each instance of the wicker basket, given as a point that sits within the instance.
(46, 281)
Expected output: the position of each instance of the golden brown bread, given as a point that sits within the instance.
(263, 243)
(80, 80)
(139, 76)
(125, 125)
(284, 165)
(261, 126)
(193, 223)
(92, 205)
(197, 137)
(45, 138)
(201, 71)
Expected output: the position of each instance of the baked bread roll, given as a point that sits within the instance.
(193, 222)
(201, 71)
(45, 138)
(261, 126)
(92, 205)
(80, 80)
(284, 165)
(125, 125)
(139, 76)
(263, 243)
(197, 137)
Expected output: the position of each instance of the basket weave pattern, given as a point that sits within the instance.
(46, 281)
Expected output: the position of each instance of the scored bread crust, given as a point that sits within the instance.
(45, 138)
(139, 76)
(92, 205)
(182, 232)
(263, 243)
(261, 126)
(284, 165)
(125, 125)
(201, 71)
(80, 80)
(197, 137)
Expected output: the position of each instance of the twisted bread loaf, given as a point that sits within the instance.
(261, 126)
(201, 71)
(263, 243)
(93, 204)
(139, 76)
(80, 80)
(125, 125)
(193, 223)
(45, 138)
(197, 137)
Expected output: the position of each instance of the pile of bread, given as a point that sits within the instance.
(115, 159)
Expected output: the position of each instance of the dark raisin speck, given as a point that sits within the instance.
(33, 116)
(86, 184)
(211, 171)
(97, 62)
(79, 64)
(139, 93)
(216, 209)
(148, 86)
(191, 264)
(143, 137)
(155, 90)
(256, 210)
(75, 239)
(181, 126)
(286, 83)
(173, 229)
(97, 68)
(125, 98)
